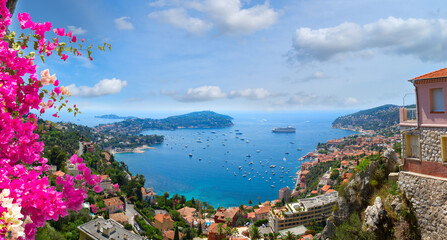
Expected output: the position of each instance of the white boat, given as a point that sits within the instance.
(272, 166)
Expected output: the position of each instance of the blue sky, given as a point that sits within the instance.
(246, 54)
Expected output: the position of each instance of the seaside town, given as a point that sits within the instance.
(299, 211)
(331, 136)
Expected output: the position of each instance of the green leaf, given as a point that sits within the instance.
(43, 58)
(32, 54)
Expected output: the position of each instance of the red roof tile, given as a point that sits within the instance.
(325, 188)
(436, 74)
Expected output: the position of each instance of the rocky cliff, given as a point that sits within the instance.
(371, 207)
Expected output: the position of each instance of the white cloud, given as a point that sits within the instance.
(201, 94)
(425, 39)
(253, 94)
(179, 18)
(77, 30)
(103, 87)
(123, 23)
(229, 17)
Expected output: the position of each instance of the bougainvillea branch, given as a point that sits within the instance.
(27, 199)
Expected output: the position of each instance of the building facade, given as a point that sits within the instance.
(424, 151)
(102, 229)
(424, 128)
(303, 212)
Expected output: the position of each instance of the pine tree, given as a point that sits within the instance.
(199, 231)
(176, 234)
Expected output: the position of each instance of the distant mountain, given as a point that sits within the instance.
(376, 118)
(113, 116)
(204, 119)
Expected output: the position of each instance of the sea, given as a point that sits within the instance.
(228, 166)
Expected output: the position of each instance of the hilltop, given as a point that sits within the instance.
(203, 119)
(113, 116)
(376, 119)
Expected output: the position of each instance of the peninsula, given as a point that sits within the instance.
(134, 126)
(113, 116)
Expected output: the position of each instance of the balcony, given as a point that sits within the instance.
(407, 117)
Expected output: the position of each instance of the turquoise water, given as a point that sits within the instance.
(212, 174)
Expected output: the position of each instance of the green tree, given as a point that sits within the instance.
(220, 231)
(250, 202)
(166, 195)
(254, 233)
(334, 174)
(290, 236)
(176, 234)
(199, 231)
(57, 157)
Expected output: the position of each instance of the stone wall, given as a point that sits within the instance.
(430, 139)
(428, 196)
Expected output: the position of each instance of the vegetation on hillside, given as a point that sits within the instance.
(204, 119)
(377, 118)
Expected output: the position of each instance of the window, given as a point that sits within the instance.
(444, 147)
(437, 100)
(412, 146)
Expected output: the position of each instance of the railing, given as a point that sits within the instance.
(407, 115)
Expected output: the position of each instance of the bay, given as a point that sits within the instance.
(221, 157)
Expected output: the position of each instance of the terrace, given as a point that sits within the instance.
(407, 117)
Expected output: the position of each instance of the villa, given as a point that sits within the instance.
(114, 205)
(163, 222)
(222, 215)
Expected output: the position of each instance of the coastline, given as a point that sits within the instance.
(131, 150)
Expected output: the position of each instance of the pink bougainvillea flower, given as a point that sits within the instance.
(64, 57)
(97, 188)
(74, 39)
(94, 208)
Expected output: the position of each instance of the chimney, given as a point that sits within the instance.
(98, 226)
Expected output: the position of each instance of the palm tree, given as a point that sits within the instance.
(254, 233)
(228, 231)
(289, 236)
(228, 221)
(219, 231)
(234, 232)
(241, 208)
(166, 195)
(250, 202)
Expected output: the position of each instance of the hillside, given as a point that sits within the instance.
(376, 118)
(204, 119)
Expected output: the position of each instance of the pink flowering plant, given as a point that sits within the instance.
(27, 199)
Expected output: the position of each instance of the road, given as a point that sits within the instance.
(81, 149)
(130, 213)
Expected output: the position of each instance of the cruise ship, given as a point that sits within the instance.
(284, 130)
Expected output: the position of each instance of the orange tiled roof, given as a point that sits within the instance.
(213, 227)
(112, 201)
(170, 234)
(314, 192)
(436, 74)
(325, 188)
(304, 172)
(119, 217)
(330, 190)
(59, 173)
(163, 217)
(251, 215)
(262, 210)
